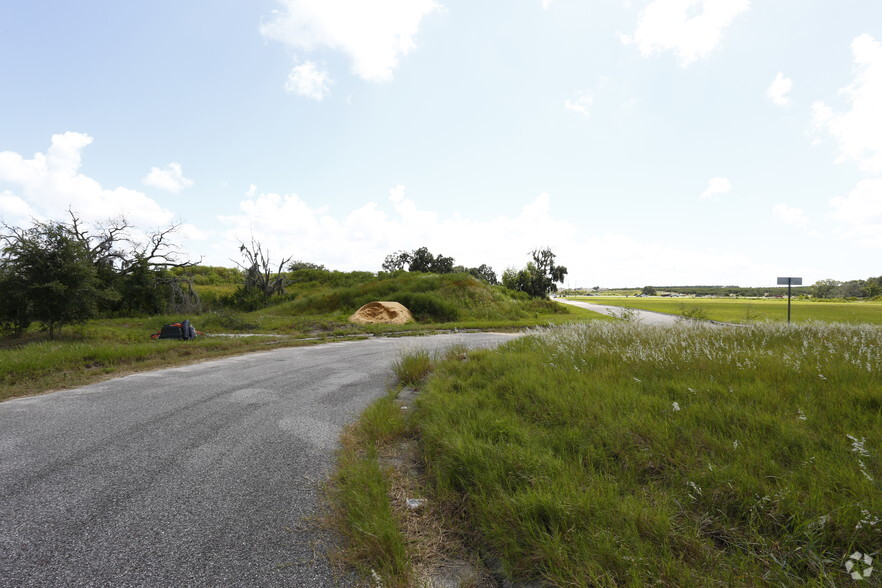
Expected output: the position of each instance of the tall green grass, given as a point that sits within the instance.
(608, 453)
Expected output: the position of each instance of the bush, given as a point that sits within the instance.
(425, 306)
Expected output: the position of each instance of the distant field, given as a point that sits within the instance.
(740, 310)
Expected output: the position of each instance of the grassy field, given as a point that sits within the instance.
(740, 310)
(102, 348)
(606, 454)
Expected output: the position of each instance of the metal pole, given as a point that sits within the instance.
(788, 301)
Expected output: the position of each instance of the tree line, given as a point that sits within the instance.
(58, 273)
(64, 272)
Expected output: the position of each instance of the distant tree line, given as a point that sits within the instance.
(538, 279)
(422, 260)
(869, 288)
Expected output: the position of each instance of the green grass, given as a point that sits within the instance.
(606, 454)
(740, 310)
(359, 496)
(317, 310)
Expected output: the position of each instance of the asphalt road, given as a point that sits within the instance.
(201, 475)
(646, 317)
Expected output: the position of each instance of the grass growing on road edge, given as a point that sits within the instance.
(607, 454)
(359, 496)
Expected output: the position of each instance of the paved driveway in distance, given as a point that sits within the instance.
(191, 476)
(646, 317)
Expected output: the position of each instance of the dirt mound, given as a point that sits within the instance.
(382, 312)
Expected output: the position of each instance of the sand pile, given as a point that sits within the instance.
(382, 312)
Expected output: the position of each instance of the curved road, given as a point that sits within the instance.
(646, 317)
(199, 475)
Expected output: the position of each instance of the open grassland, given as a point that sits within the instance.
(316, 311)
(740, 310)
(603, 454)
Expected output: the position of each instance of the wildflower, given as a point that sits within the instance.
(868, 519)
(735, 444)
(858, 446)
(675, 406)
(800, 415)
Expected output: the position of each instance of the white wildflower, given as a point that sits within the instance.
(735, 444)
(675, 406)
(800, 415)
(858, 446)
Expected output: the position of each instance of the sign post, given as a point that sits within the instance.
(790, 282)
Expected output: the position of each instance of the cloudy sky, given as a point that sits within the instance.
(664, 142)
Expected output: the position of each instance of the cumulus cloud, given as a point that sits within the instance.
(374, 35)
(779, 89)
(858, 130)
(307, 80)
(792, 216)
(716, 186)
(581, 102)
(169, 178)
(690, 28)
(360, 239)
(861, 212)
(48, 184)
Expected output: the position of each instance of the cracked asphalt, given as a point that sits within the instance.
(203, 475)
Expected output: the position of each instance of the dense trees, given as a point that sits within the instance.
(60, 273)
(47, 275)
(869, 288)
(422, 260)
(539, 278)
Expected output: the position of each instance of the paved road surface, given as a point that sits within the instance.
(645, 317)
(192, 476)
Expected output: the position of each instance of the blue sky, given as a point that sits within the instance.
(655, 142)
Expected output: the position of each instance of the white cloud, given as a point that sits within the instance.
(170, 178)
(861, 212)
(779, 88)
(51, 183)
(858, 131)
(792, 216)
(581, 103)
(716, 186)
(359, 240)
(374, 35)
(14, 210)
(545, 4)
(690, 28)
(308, 81)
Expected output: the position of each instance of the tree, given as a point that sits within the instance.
(484, 272)
(539, 277)
(308, 265)
(648, 291)
(826, 289)
(261, 281)
(397, 261)
(421, 260)
(418, 260)
(52, 275)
